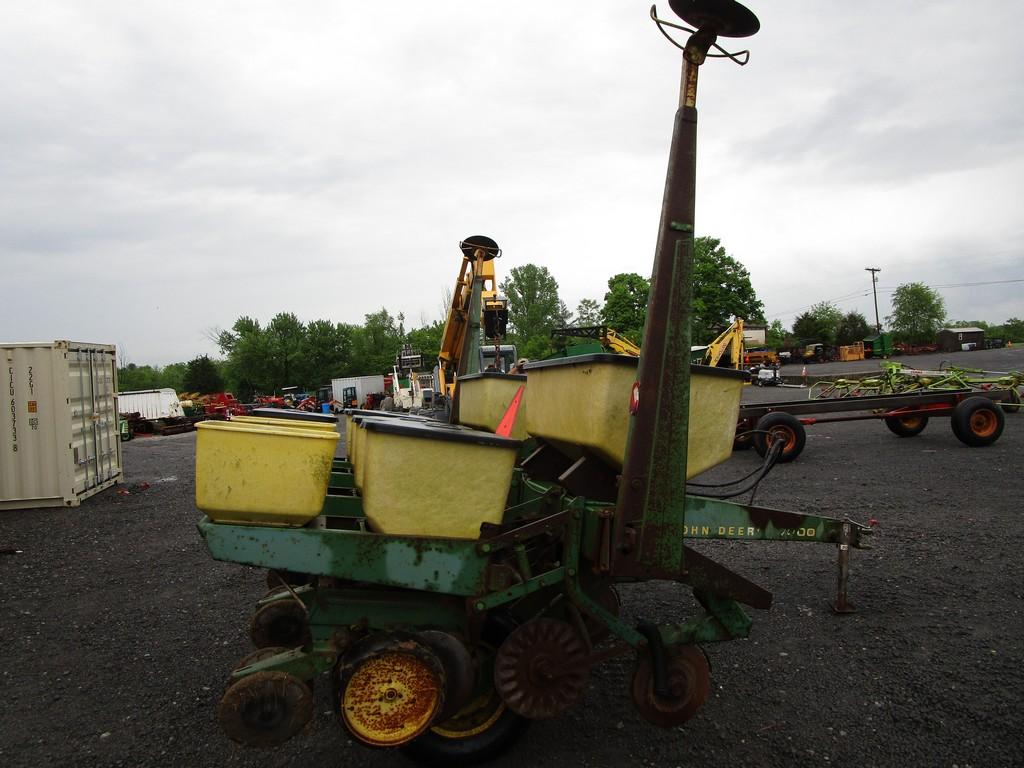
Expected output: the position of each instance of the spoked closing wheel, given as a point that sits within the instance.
(389, 689)
(689, 680)
(540, 670)
(265, 709)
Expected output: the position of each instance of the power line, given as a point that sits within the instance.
(891, 289)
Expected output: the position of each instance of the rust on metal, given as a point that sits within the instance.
(265, 709)
(537, 671)
(689, 682)
(392, 697)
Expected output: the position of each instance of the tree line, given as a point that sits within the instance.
(261, 358)
(918, 313)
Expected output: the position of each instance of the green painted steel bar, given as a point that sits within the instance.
(724, 620)
(494, 599)
(303, 664)
(342, 505)
(341, 480)
(449, 566)
(574, 589)
(715, 519)
(341, 465)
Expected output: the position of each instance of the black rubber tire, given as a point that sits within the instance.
(782, 426)
(977, 421)
(435, 749)
(906, 426)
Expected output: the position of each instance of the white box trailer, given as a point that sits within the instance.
(151, 404)
(356, 388)
(59, 436)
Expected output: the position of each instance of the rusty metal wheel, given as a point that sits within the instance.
(689, 680)
(540, 670)
(389, 689)
(265, 709)
(280, 623)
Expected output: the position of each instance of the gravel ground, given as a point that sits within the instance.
(118, 630)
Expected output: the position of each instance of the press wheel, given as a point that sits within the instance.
(689, 680)
(389, 690)
(280, 623)
(265, 709)
(484, 727)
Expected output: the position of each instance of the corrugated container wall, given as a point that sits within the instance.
(151, 403)
(59, 437)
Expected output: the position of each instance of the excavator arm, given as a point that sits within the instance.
(460, 341)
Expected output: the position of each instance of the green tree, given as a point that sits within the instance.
(285, 334)
(132, 377)
(202, 376)
(625, 304)
(1013, 329)
(324, 353)
(173, 375)
(721, 290)
(853, 327)
(588, 312)
(534, 307)
(775, 337)
(377, 342)
(248, 367)
(820, 323)
(426, 341)
(918, 313)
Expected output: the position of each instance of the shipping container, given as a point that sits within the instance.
(60, 441)
(351, 392)
(151, 404)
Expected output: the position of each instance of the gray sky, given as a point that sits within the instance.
(168, 167)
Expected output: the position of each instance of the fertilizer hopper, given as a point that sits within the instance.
(447, 641)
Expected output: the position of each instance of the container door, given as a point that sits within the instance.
(31, 451)
(95, 439)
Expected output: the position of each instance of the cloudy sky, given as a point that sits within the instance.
(168, 167)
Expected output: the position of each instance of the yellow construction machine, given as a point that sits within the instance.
(474, 298)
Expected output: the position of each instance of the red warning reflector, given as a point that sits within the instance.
(634, 398)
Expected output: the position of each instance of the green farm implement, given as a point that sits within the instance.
(456, 583)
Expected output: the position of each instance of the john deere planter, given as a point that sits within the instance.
(457, 583)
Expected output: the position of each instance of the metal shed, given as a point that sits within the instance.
(955, 339)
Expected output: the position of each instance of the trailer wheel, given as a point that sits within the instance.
(782, 427)
(977, 421)
(906, 426)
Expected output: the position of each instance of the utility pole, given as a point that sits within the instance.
(874, 290)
